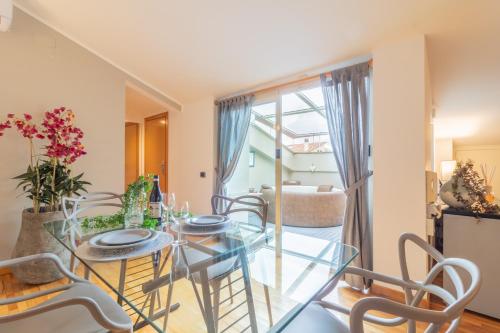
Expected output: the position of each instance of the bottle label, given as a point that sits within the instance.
(155, 209)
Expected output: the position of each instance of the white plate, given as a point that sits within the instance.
(87, 252)
(96, 242)
(207, 220)
(195, 230)
(125, 236)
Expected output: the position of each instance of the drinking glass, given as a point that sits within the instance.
(170, 203)
(179, 220)
(134, 216)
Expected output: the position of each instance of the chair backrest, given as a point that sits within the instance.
(466, 284)
(246, 203)
(74, 206)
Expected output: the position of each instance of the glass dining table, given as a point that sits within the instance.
(236, 279)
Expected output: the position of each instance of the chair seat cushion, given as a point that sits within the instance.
(316, 319)
(71, 319)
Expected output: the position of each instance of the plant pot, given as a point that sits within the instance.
(33, 239)
(446, 193)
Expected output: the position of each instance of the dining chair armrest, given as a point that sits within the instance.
(421, 244)
(435, 254)
(394, 321)
(421, 288)
(358, 312)
(373, 276)
(45, 256)
(87, 302)
(383, 278)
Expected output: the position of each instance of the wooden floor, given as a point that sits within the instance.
(471, 323)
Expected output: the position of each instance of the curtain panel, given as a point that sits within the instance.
(346, 94)
(233, 121)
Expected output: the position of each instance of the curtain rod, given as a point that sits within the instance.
(281, 85)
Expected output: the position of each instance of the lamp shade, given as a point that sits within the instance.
(6, 10)
(447, 168)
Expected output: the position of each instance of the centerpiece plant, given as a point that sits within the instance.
(54, 145)
(134, 199)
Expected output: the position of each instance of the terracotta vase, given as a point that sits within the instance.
(33, 239)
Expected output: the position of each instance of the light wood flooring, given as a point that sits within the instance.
(186, 319)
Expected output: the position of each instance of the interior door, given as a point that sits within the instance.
(131, 153)
(155, 147)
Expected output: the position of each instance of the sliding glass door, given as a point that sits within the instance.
(287, 157)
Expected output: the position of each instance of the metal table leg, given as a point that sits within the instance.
(121, 283)
(248, 291)
(207, 301)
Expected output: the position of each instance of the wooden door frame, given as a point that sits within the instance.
(138, 132)
(156, 116)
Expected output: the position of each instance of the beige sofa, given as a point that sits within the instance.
(304, 206)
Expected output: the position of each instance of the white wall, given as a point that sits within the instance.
(443, 151)
(399, 154)
(485, 154)
(191, 150)
(39, 70)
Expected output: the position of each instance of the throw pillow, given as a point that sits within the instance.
(325, 188)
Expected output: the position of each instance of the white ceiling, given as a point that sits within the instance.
(190, 49)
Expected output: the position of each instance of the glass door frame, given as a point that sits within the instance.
(275, 95)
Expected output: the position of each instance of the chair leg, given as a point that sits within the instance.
(71, 265)
(86, 273)
(230, 286)
(268, 304)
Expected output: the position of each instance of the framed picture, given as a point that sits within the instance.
(252, 159)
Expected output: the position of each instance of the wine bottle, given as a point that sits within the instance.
(155, 201)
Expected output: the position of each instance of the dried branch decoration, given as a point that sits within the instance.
(475, 187)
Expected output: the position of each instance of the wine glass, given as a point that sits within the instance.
(169, 203)
(180, 220)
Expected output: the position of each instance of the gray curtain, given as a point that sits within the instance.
(232, 126)
(346, 94)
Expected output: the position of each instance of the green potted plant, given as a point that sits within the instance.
(54, 145)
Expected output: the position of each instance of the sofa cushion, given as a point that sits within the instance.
(325, 188)
(300, 188)
(292, 182)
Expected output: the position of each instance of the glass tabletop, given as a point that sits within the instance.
(232, 280)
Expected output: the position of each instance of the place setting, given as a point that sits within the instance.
(182, 220)
(123, 244)
(202, 225)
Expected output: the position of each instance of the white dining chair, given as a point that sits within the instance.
(316, 318)
(75, 207)
(78, 307)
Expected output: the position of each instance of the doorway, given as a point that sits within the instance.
(131, 152)
(156, 148)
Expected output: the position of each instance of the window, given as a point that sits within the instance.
(252, 159)
(304, 121)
